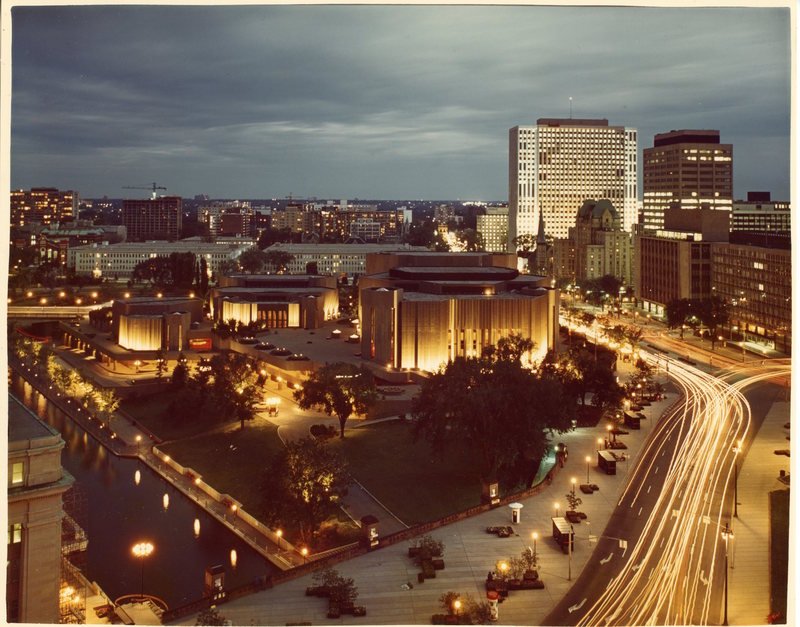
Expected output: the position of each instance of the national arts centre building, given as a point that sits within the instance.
(420, 310)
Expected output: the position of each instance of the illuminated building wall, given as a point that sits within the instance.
(140, 333)
(558, 163)
(36, 484)
(46, 205)
(757, 282)
(422, 310)
(176, 330)
(686, 169)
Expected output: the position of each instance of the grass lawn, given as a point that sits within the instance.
(233, 462)
(779, 550)
(405, 476)
(153, 412)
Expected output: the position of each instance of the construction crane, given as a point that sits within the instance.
(154, 187)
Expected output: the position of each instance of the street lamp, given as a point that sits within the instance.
(138, 442)
(555, 506)
(456, 606)
(535, 537)
(727, 533)
(588, 461)
(736, 450)
(573, 481)
(140, 551)
(599, 443)
(304, 553)
(137, 363)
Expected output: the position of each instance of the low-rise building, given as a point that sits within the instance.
(118, 261)
(277, 300)
(601, 246)
(151, 324)
(419, 311)
(337, 260)
(36, 485)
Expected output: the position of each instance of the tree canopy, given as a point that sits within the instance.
(497, 409)
(339, 389)
(304, 485)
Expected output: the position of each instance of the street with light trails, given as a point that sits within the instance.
(661, 558)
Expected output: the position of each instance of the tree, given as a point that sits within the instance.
(227, 267)
(713, 312)
(253, 260)
(339, 389)
(210, 617)
(304, 485)
(494, 409)
(161, 364)
(677, 310)
(278, 260)
(340, 589)
(203, 276)
(235, 391)
(472, 240)
(525, 243)
(156, 270)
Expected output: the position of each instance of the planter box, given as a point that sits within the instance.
(438, 564)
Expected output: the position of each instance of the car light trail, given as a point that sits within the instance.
(670, 573)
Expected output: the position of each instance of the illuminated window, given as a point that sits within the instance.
(16, 473)
(15, 533)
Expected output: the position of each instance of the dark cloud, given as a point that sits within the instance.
(375, 101)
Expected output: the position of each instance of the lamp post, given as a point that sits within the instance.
(555, 506)
(140, 551)
(304, 553)
(736, 450)
(279, 533)
(569, 571)
(588, 461)
(535, 537)
(456, 606)
(573, 481)
(727, 532)
(138, 442)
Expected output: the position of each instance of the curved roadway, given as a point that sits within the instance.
(661, 557)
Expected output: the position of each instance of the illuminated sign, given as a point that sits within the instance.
(200, 343)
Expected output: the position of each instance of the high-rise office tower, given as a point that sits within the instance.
(558, 163)
(156, 218)
(686, 169)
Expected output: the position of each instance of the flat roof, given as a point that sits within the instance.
(23, 424)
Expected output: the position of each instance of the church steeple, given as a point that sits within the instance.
(540, 238)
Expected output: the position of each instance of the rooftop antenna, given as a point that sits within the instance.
(570, 107)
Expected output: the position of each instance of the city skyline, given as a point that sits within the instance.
(373, 101)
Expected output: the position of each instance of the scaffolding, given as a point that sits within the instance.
(74, 541)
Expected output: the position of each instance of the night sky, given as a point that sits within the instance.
(380, 102)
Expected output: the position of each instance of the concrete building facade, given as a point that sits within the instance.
(601, 246)
(153, 218)
(558, 163)
(760, 214)
(757, 282)
(278, 300)
(421, 311)
(119, 260)
(492, 226)
(336, 259)
(686, 169)
(44, 205)
(675, 262)
(36, 485)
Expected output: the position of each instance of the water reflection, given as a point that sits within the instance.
(120, 514)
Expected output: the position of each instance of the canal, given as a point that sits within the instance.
(128, 503)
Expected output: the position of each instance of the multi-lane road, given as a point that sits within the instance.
(661, 558)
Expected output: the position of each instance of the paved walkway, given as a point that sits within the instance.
(748, 599)
(382, 576)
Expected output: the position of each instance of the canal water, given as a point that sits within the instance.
(121, 512)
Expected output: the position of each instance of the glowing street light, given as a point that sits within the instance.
(573, 481)
(140, 551)
(456, 606)
(727, 533)
(555, 506)
(304, 553)
(588, 461)
(535, 537)
(736, 450)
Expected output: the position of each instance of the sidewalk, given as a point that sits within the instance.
(382, 576)
(749, 575)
